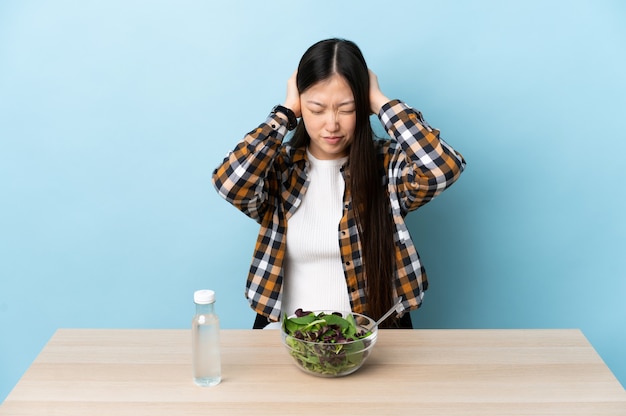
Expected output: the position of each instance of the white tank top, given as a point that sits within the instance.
(314, 278)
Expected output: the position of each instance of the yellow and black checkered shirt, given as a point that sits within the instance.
(267, 179)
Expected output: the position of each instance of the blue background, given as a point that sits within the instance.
(113, 115)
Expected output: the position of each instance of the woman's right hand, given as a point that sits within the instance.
(292, 101)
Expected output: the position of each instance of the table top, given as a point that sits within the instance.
(433, 372)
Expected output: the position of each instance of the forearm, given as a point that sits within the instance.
(430, 165)
(241, 177)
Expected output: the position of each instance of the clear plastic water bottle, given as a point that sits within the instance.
(205, 330)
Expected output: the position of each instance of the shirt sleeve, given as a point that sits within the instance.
(421, 165)
(243, 177)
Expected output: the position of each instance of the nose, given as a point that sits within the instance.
(332, 122)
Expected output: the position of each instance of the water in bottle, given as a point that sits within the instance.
(205, 329)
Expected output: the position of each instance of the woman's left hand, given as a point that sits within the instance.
(377, 98)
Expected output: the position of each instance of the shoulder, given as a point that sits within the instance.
(385, 146)
(292, 155)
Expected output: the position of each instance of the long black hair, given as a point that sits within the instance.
(370, 200)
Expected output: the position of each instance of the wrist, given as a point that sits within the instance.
(286, 114)
(378, 102)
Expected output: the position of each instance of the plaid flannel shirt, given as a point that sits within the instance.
(266, 180)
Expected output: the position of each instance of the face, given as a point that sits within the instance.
(329, 115)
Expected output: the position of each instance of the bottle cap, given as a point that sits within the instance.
(204, 297)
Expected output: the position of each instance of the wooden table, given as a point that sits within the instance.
(419, 372)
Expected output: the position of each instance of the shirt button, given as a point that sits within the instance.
(347, 263)
(273, 126)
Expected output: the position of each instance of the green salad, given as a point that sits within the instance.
(325, 343)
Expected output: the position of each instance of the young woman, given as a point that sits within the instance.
(331, 201)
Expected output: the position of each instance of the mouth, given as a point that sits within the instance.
(332, 139)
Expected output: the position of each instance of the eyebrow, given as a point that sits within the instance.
(322, 105)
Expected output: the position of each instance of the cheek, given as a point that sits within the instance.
(350, 126)
(311, 124)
